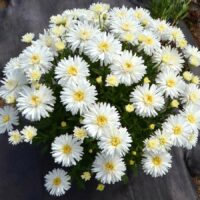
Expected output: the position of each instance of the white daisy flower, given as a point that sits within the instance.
(103, 47)
(140, 13)
(115, 141)
(191, 140)
(57, 182)
(108, 169)
(112, 80)
(193, 55)
(171, 83)
(37, 56)
(28, 133)
(191, 114)
(164, 138)
(67, 150)
(128, 68)
(60, 20)
(169, 57)
(100, 118)
(80, 133)
(12, 64)
(78, 97)
(191, 95)
(12, 83)
(181, 43)
(152, 145)
(14, 137)
(129, 37)
(80, 34)
(175, 34)
(156, 164)
(148, 42)
(146, 21)
(161, 28)
(58, 31)
(28, 37)
(178, 129)
(99, 8)
(48, 40)
(8, 119)
(33, 75)
(124, 25)
(147, 99)
(79, 13)
(119, 13)
(71, 70)
(35, 104)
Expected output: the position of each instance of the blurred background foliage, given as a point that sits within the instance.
(170, 10)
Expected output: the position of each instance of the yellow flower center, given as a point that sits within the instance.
(66, 149)
(80, 133)
(141, 37)
(182, 43)
(115, 141)
(6, 118)
(11, 84)
(57, 181)
(191, 118)
(145, 22)
(29, 134)
(148, 99)
(138, 14)
(128, 66)
(100, 187)
(104, 46)
(194, 60)
(156, 161)
(109, 166)
(166, 58)
(101, 120)
(193, 97)
(35, 59)
(176, 34)
(16, 137)
(126, 26)
(171, 83)
(112, 80)
(161, 27)
(79, 95)
(35, 100)
(148, 40)
(85, 35)
(152, 143)
(178, 129)
(72, 70)
(98, 8)
(86, 176)
(128, 37)
(162, 140)
(35, 75)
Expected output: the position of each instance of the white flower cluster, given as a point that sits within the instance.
(87, 53)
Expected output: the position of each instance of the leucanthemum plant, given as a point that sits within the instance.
(103, 90)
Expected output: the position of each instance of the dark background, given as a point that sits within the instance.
(22, 167)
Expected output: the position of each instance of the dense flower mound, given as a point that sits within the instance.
(103, 91)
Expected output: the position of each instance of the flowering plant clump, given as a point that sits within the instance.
(103, 90)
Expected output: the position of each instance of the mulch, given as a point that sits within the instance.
(1, 103)
(193, 20)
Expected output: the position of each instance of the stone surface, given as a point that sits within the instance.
(21, 167)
